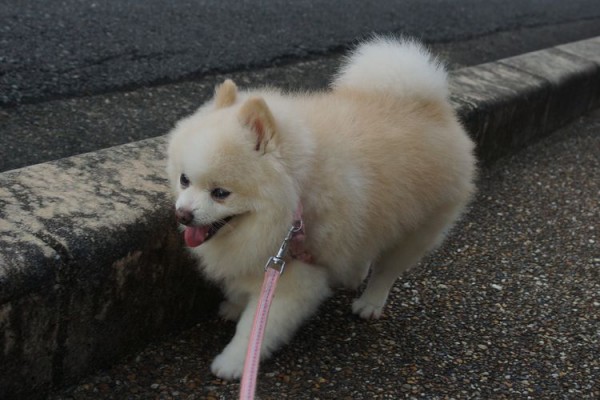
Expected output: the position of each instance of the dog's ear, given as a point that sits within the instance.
(255, 114)
(225, 94)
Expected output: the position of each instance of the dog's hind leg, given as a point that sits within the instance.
(398, 259)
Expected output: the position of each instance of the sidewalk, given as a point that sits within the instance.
(92, 266)
(508, 308)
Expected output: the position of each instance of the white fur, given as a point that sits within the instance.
(380, 164)
(404, 67)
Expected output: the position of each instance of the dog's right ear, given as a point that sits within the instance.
(225, 94)
(255, 115)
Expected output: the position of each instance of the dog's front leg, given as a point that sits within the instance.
(302, 287)
(232, 307)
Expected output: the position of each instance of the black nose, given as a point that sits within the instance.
(184, 216)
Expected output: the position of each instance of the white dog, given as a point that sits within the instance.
(379, 164)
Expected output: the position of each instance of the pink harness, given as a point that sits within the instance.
(297, 249)
(273, 270)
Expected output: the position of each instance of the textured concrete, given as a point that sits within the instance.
(508, 308)
(30, 308)
(590, 50)
(92, 265)
(507, 104)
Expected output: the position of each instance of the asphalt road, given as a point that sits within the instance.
(77, 76)
(39, 132)
(80, 47)
(507, 308)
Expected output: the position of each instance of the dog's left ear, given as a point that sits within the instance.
(255, 114)
(225, 94)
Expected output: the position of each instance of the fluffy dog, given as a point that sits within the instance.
(379, 163)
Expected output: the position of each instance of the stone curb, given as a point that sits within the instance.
(508, 103)
(92, 266)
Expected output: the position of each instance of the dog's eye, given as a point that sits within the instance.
(219, 193)
(184, 181)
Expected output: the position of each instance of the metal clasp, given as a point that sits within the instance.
(276, 262)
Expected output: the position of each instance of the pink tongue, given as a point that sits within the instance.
(194, 235)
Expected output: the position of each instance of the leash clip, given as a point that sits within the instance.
(277, 262)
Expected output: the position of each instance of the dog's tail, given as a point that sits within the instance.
(398, 66)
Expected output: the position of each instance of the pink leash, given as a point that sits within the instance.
(273, 270)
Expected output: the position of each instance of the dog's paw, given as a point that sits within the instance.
(230, 311)
(366, 310)
(228, 365)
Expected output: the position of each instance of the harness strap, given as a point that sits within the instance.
(297, 249)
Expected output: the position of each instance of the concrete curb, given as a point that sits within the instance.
(90, 268)
(92, 265)
(508, 103)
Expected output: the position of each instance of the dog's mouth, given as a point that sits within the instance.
(196, 235)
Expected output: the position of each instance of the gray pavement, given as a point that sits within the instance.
(50, 50)
(74, 252)
(35, 133)
(509, 307)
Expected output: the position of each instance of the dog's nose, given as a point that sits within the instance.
(184, 216)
